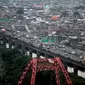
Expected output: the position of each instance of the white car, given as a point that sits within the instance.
(63, 46)
(19, 35)
(60, 46)
(14, 33)
(64, 49)
(18, 31)
(73, 52)
(81, 57)
(35, 37)
(27, 36)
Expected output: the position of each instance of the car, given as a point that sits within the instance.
(67, 56)
(43, 46)
(73, 52)
(18, 31)
(80, 56)
(35, 37)
(64, 49)
(48, 47)
(66, 53)
(19, 35)
(60, 46)
(63, 46)
(14, 33)
(27, 36)
(1, 26)
(38, 44)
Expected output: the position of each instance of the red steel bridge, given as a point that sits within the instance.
(40, 64)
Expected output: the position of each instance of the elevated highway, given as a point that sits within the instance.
(31, 45)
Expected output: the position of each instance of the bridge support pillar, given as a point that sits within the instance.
(38, 54)
(46, 55)
(16, 45)
(10, 45)
(75, 69)
(23, 49)
(4, 43)
(30, 53)
(65, 65)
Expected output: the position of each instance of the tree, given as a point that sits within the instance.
(2, 70)
(14, 62)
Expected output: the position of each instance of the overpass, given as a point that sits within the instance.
(27, 44)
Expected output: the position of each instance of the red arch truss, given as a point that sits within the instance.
(39, 64)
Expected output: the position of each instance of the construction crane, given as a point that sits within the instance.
(40, 64)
